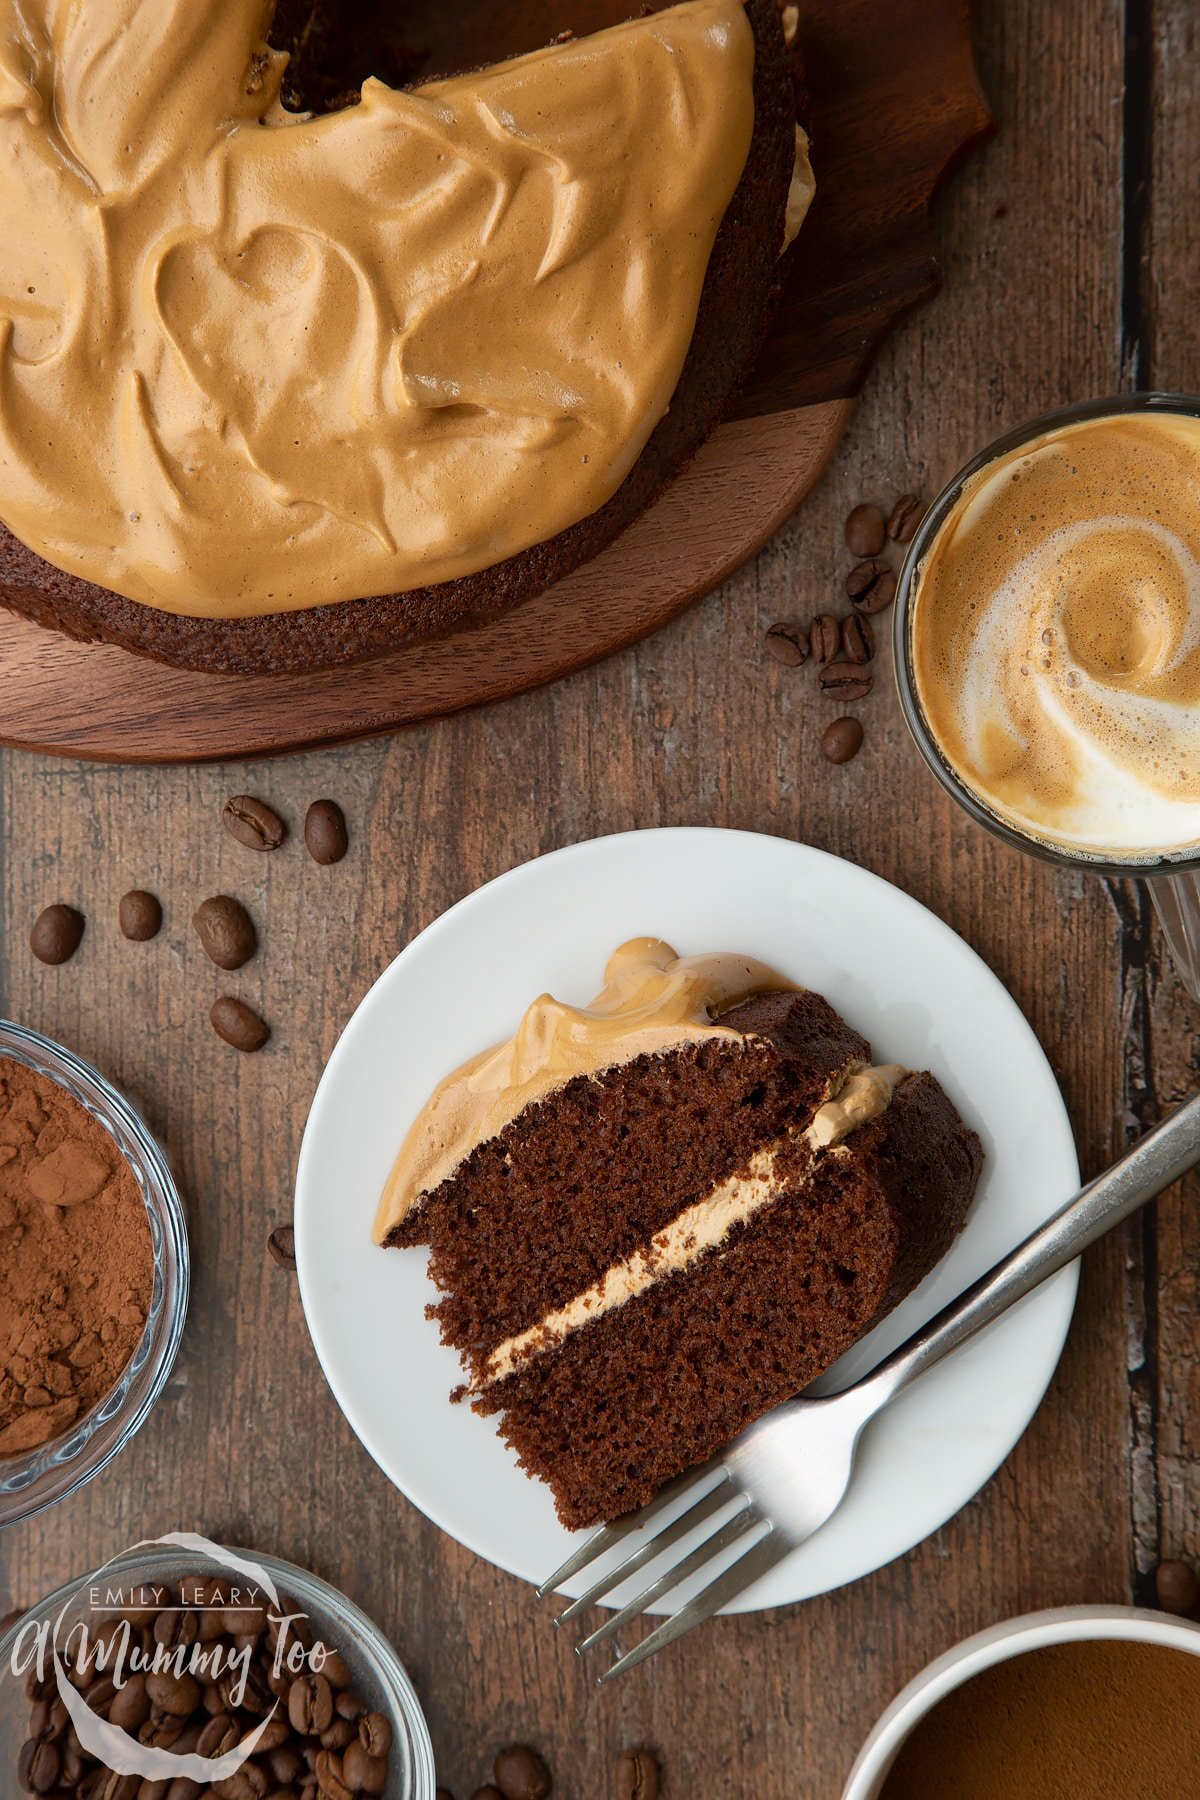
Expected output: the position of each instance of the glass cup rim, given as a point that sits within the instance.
(51, 1471)
(167, 1562)
(1106, 406)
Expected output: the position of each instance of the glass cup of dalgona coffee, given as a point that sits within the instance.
(1048, 645)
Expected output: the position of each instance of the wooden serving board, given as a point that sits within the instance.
(894, 104)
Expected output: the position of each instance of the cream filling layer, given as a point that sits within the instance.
(864, 1095)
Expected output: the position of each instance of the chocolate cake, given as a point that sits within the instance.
(332, 49)
(654, 1219)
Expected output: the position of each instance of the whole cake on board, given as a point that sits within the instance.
(300, 366)
(654, 1218)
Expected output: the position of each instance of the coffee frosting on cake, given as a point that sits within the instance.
(652, 1001)
(1056, 635)
(252, 361)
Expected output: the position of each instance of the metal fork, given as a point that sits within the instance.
(789, 1471)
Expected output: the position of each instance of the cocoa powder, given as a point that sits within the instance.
(76, 1261)
(1068, 1722)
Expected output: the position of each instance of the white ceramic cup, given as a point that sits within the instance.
(1013, 1637)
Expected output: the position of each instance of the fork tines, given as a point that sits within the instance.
(707, 1493)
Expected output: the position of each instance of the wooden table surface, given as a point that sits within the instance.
(1071, 248)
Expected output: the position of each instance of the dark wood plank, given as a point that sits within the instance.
(693, 726)
(1168, 1066)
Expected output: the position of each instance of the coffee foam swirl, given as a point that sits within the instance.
(1055, 634)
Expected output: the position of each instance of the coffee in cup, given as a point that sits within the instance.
(1053, 623)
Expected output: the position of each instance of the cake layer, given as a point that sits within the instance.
(582, 1180)
(666, 1380)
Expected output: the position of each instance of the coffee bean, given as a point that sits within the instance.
(443, 1794)
(325, 832)
(330, 1779)
(238, 1025)
(310, 1704)
(336, 1669)
(904, 518)
(871, 586)
(219, 1734)
(57, 933)
(139, 915)
(247, 1783)
(858, 640)
(364, 1773)
(1177, 1588)
(348, 1704)
(841, 740)
(177, 1695)
(144, 1602)
(520, 1774)
(226, 931)
(131, 1704)
(375, 1733)
(282, 1246)
(487, 1792)
(845, 681)
(865, 531)
(284, 1765)
(824, 636)
(637, 1776)
(10, 1619)
(253, 823)
(339, 1734)
(43, 1768)
(788, 644)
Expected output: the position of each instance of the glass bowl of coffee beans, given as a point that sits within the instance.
(94, 1272)
(183, 1668)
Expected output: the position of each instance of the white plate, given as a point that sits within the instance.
(894, 970)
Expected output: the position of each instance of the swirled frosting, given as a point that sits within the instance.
(252, 361)
(1055, 636)
(652, 1001)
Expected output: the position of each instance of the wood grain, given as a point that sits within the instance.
(695, 725)
(894, 103)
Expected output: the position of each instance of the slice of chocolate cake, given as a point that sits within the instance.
(654, 1218)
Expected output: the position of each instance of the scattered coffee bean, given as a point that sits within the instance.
(858, 640)
(1177, 1588)
(841, 740)
(871, 586)
(325, 832)
(226, 931)
(139, 915)
(824, 637)
(520, 1774)
(637, 1776)
(253, 823)
(904, 518)
(788, 644)
(282, 1246)
(10, 1619)
(865, 531)
(845, 681)
(57, 933)
(238, 1025)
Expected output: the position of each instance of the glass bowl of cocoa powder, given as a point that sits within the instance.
(94, 1272)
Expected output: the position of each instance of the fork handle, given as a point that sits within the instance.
(1156, 1160)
